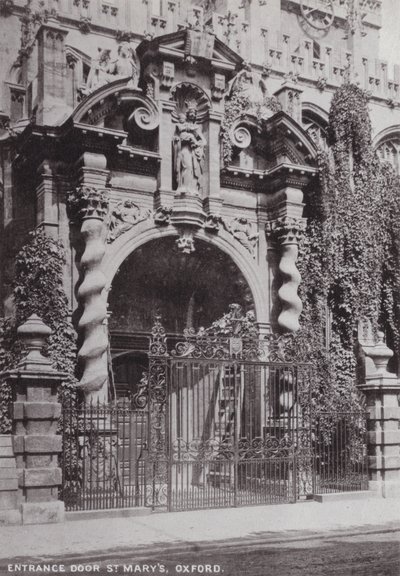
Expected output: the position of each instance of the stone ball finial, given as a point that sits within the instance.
(34, 334)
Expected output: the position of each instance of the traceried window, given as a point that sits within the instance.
(389, 151)
(316, 128)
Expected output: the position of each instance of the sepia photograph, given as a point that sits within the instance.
(200, 287)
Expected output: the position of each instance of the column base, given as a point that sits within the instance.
(42, 512)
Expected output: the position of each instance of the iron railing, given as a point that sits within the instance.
(340, 461)
(103, 455)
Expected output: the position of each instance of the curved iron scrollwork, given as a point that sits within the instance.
(217, 343)
(140, 399)
(158, 339)
(198, 450)
(268, 447)
(211, 346)
(212, 449)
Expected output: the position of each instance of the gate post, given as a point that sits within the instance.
(35, 417)
(158, 451)
(382, 390)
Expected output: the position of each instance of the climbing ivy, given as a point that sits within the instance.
(349, 257)
(38, 289)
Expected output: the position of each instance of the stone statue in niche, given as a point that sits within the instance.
(189, 153)
(104, 69)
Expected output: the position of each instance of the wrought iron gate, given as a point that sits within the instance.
(216, 422)
(229, 424)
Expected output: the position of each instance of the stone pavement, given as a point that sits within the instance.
(95, 537)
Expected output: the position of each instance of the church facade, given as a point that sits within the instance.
(172, 146)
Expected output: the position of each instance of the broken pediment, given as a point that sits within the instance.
(261, 149)
(190, 43)
(264, 144)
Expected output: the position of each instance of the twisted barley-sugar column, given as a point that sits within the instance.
(91, 207)
(287, 231)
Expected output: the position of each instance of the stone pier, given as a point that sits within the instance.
(35, 417)
(382, 390)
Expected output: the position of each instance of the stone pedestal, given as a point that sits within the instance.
(35, 417)
(382, 390)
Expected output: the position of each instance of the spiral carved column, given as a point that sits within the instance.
(286, 232)
(89, 207)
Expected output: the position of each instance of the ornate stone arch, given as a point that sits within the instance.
(126, 244)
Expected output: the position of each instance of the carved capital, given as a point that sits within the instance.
(286, 230)
(86, 202)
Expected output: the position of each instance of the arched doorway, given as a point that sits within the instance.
(187, 290)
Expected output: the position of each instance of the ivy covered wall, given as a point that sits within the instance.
(349, 257)
(38, 289)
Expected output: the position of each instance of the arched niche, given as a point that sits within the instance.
(188, 290)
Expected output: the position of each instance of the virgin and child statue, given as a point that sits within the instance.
(189, 153)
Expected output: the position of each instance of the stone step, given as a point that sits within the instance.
(109, 513)
(340, 496)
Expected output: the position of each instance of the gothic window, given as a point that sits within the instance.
(389, 151)
(316, 128)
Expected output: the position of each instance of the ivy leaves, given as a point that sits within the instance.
(349, 259)
(38, 289)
